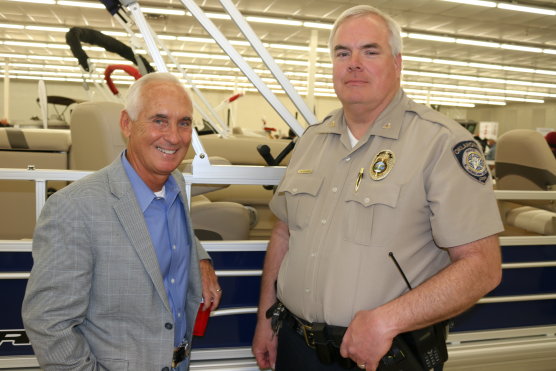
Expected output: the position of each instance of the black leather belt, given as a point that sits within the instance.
(325, 339)
(181, 352)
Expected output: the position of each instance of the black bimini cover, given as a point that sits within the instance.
(76, 35)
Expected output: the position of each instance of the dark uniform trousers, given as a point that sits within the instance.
(295, 355)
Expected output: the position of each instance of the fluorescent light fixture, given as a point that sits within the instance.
(285, 22)
(416, 59)
(290, 47)
(47, 28)
(115, 33)
(489, 4)
(486, 44)
(196, 39)
(81, 4)
(323, 26)
(48, 2)
(527, 9)
(450, 63)
(162, 11)
(420, 36)
(216, 16)
(549, 51)
(485, 66)
(521, 48)
(12, 26)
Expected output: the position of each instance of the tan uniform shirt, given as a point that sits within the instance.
(433, 194)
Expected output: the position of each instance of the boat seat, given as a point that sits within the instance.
(524, 161)
(22, 149)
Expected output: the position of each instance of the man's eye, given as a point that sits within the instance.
(159, 122)
(185, 123)
(342, 54)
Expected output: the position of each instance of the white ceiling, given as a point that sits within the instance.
(432, 17)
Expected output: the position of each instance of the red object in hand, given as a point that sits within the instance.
(201, 321)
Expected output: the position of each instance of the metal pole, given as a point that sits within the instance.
(269, 62)
(243, 66)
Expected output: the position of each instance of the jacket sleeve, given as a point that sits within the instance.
(57, 294)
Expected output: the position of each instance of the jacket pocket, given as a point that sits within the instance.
(363, 206)
(301, 192)
(112, 364)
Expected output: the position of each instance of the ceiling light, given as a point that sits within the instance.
(431, 37)
(47, 28)
(286, 22)
(216, 16)
(163, 11)
(50, 2)
(14, 26)
(490, 4)
(527, 9)
(324, 26)
(487, 44)
(81, 4)
(521, 48)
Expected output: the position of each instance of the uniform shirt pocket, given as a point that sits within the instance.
(301, 192)
(364, 207)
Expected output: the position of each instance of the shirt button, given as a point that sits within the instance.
(168, 326)
(307, 290)
(313, 254)
(294, 189)
(323, 221)
(366, 200)
(179, 315)
(173, 247)
(347, 159)
(173, 280)
(334, 189)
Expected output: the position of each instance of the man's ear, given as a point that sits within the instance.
(125, 123)
(398, 61)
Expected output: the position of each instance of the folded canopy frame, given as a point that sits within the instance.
(203, 171)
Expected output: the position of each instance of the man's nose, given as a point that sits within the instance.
(354, 63)
(172, 134)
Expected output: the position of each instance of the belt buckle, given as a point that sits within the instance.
(181, 352)
(308, 335)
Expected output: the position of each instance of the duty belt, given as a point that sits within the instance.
(324, 339)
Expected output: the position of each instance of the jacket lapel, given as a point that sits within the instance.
(133, 222)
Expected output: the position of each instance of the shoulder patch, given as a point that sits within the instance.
(471, 159)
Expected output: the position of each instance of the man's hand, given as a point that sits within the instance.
(265, 344)
(211, 289)
(367, 339)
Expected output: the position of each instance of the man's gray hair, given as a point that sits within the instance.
(395, 39)
(133, 101)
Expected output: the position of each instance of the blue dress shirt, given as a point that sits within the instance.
(165, 219)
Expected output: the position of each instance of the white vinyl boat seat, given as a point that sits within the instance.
(22, 149)
(524, 161)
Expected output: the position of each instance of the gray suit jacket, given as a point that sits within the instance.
(95, 299)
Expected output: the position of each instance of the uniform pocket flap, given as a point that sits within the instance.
(375, 193)
(301, 184)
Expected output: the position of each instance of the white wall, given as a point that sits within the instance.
(252, 108)
(249, 109)
(512, 116)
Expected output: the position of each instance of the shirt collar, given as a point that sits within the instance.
(143, 193)
(388, 124)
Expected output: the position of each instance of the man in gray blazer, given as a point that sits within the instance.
(118, 274)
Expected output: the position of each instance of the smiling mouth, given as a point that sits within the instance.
(166, 151)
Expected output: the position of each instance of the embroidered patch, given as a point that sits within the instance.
(471, 159)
